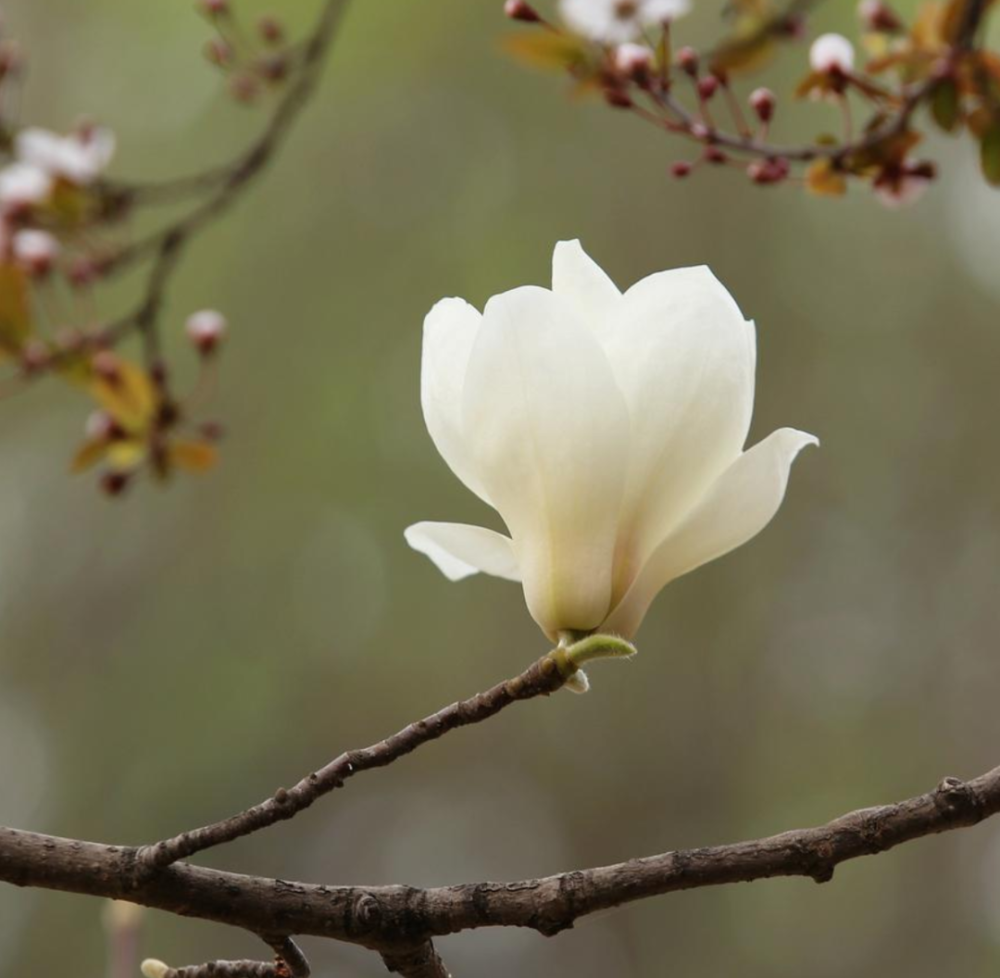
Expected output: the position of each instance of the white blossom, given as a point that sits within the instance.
(607, 430)
(35, 249)
(206, 324)
(631, 58)
(830, 53)
(80, 157)
(619, 21)
(23, 185)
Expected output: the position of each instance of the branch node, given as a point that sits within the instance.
(957, 798)
(421, 961)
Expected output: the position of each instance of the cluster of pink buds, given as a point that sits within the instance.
(254, 59)
(623, 51)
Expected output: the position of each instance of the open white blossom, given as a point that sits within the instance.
(619, 21)
(607, 430)
(23, 185)
(80, 157)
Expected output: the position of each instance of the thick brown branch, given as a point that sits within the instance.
(390, 918)
(540, 679)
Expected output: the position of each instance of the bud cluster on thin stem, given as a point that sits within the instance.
(64, 221)
(932, 62)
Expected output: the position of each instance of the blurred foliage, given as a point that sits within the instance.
(167, 661)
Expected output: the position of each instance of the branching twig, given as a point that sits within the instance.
(395, 918)
(228, 182)
(223, 186)
(543, 677)
(421, 961)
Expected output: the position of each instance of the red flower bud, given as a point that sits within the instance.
(687, 60)
(763, 102)
(519, 10)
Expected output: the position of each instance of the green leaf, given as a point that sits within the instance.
(945, 105)
(989, 154)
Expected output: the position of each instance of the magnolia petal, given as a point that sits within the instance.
(450, 330)
(738, 506)
(549, 430)
(684, 356)
(579, 279)
(460, 551)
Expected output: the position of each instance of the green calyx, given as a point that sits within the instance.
(570, 656)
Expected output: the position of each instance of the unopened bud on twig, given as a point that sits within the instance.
(244, 88)
(763, 101)
(205, 329)
(707, 87)
(218, 52)
(687, 60)
(274, 68)
(35, 251)
(618, 98)
(270, 30)
(114, 484)
(768, 171)
(151, 968)
(879, 16)
(519, 10)
(633, 60)
(831, 54)
(214, 8)
(681, 169)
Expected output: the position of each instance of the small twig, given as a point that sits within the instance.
(223, 185)
(540, 679)
(216, 969)
(290, 954)
(689, 124)
(675, 118)
(289, 963)
(421, 961)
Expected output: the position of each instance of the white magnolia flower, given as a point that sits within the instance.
(607, 430)
(23, 185)
(79, 158)
(619, 21)
(830, 53)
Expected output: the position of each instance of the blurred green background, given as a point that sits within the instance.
(176, 656)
